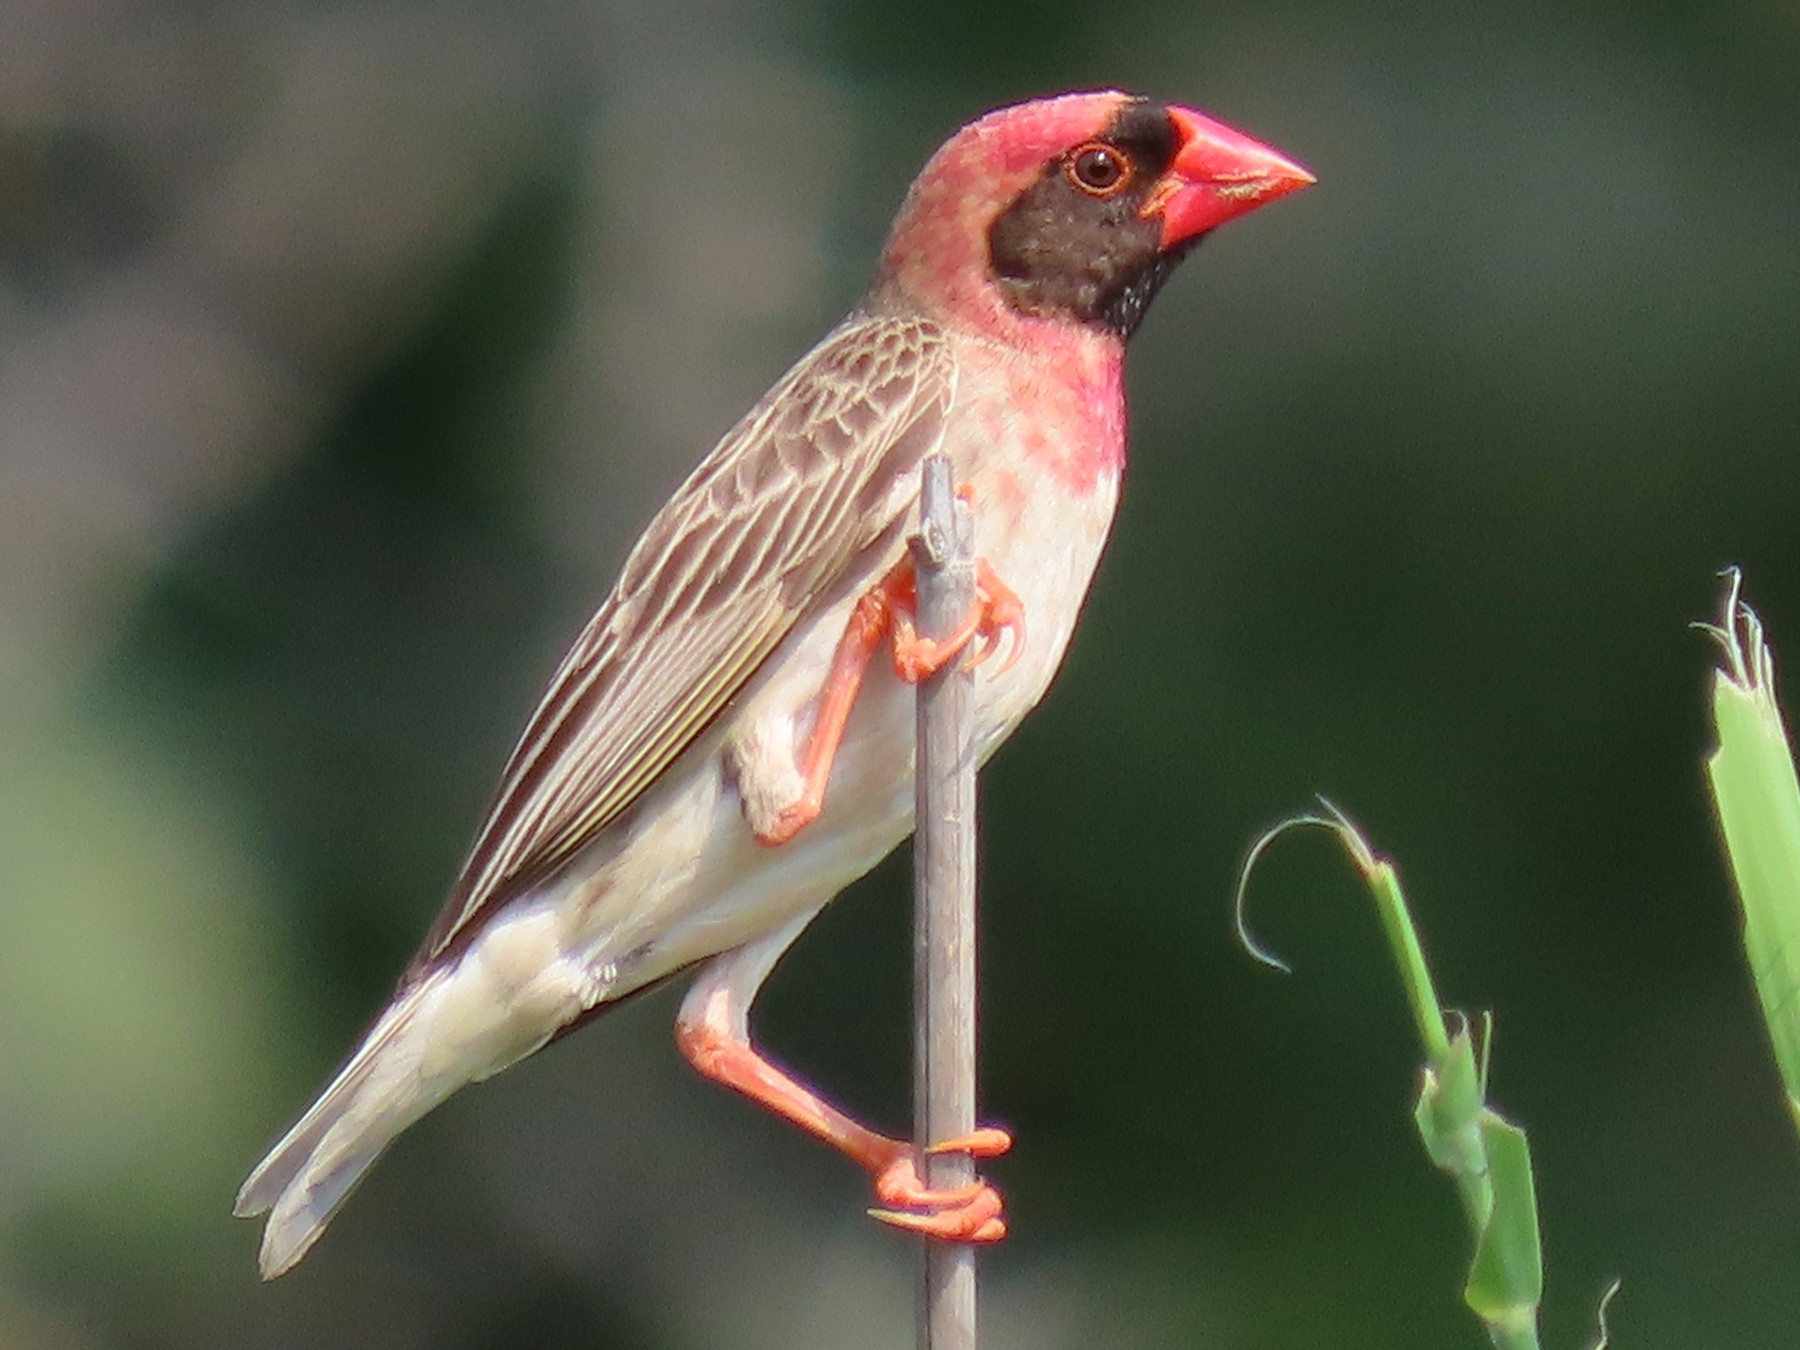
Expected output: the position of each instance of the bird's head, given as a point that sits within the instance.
(1073, 208)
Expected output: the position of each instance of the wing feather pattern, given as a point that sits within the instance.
(759, 532)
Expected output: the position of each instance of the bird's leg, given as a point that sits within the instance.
(888, 607)
(713, 1030)
(869, 621)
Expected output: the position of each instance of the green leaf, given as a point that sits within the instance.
(1506, 1280)
(1758, 800)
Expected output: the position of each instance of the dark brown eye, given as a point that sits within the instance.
(1099, 169)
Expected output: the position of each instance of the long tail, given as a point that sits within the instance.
(456, 1024)
(312, 1171)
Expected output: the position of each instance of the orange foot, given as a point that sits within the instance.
(997, 612)
(888, 607)
(713, 1032)
(970, 1213)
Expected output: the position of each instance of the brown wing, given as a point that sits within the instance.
(755, 535)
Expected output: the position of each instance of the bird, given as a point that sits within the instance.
(729, 742)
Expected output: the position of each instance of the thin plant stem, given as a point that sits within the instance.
(944, 901)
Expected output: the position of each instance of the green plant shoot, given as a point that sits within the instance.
(1484, 1154)
(1758, 800)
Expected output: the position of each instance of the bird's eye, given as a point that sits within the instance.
(1099, 169)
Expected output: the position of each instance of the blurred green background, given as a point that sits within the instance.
(343, 349)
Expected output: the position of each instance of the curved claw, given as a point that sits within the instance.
(994, 630)
(978, 1220)
(1002, 615)
(967, 1213)
(989, 1141)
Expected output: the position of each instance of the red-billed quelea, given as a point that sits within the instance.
(726, 746)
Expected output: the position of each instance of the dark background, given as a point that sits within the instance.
(343, 349)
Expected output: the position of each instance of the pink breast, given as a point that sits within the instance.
(1051, 405)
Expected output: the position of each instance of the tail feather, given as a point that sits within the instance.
(315, 1166)
(299, 1216)
(457, 1024)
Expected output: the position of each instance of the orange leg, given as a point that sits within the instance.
(888, 608)
(713, 1033)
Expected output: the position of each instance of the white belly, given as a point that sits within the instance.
(688, 878)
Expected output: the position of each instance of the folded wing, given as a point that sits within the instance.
(814, 474)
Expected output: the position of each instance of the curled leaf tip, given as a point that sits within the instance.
(1749, 663)
(1240, 902)
(1355, 842)
(1600, 1313)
